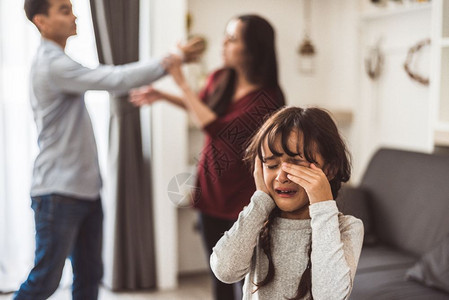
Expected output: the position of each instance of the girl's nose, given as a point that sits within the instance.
(282, 177)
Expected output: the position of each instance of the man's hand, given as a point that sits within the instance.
(172, 64)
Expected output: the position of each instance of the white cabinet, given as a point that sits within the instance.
(439, 84)
(192, 256)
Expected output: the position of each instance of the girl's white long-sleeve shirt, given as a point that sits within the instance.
(336, 242)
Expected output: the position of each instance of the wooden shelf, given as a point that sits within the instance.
(441, 134)
(441, 138)
(444, 42)
(342, 117)
(377, 13)
(442, 126)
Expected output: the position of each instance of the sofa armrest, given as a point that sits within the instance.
(355, 201)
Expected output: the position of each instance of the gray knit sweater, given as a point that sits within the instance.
(336, 244)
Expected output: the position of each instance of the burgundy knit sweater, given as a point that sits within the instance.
(224, 182)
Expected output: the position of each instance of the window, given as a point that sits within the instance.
(19, 40)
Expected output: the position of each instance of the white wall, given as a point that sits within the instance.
(328, 86)
(394, 111)
(334, 33)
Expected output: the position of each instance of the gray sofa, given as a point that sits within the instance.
(403, 200)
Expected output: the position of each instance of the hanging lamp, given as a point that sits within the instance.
(306, 50)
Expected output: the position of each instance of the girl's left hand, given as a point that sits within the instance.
(312, 179)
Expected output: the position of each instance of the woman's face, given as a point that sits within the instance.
(290, 197)
(233, 45)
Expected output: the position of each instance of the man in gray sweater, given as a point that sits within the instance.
(66, 179)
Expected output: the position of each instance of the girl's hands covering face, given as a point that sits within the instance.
(312, 179)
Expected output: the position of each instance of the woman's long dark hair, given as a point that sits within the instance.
(260, 62)
(320, 134)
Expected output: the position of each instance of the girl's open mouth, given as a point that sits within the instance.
(285, 192)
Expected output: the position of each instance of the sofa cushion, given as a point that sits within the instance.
(392, 285)
(433, 268)
(355, 202)
(381, 257)
(409, 198)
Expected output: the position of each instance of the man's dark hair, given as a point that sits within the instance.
(34, 7)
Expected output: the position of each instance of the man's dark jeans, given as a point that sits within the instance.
(65, 227)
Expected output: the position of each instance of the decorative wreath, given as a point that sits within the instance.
(408, 61)
(374, 63)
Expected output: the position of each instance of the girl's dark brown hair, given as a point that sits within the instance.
(320, 135)
(260, 62)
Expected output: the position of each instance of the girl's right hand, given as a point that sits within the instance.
(144, 95)
(258, 176)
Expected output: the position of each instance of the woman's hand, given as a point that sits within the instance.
(193, 49)
(312, 179)
(258, 176)
(173, 64)
(144, 95)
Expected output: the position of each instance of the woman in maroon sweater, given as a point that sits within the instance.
(232, 106)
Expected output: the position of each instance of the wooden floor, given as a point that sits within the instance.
(193, 287)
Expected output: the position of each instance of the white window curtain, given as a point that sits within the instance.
(19, 40)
